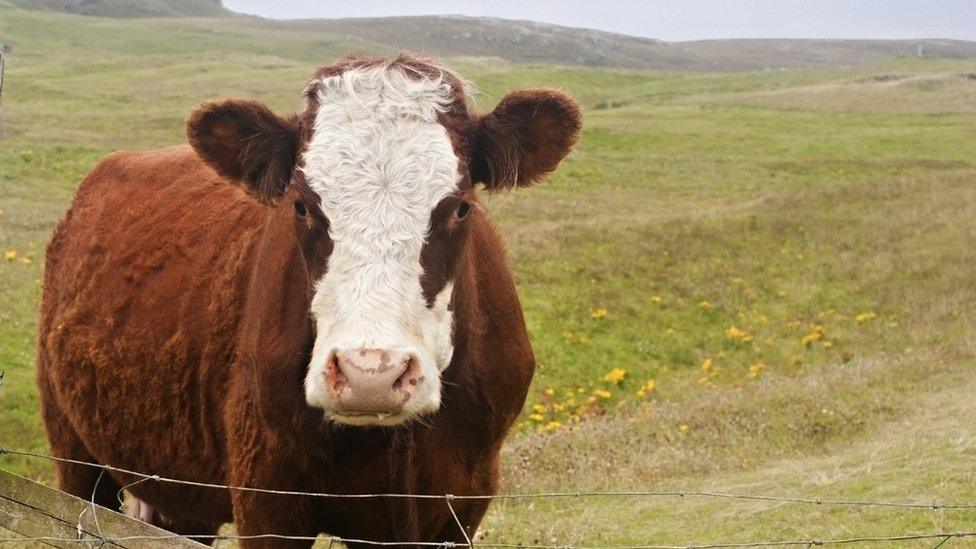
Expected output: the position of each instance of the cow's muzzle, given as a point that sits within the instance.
(371, 382)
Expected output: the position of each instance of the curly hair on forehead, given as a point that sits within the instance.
(421, 67)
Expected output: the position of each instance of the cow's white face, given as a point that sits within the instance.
(380, 162)
(387, 153)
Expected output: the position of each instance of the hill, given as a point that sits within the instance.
(130, 8)
(532, 42)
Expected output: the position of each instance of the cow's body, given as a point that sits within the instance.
(175, 337)
(147, 280)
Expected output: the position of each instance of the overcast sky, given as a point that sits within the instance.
(676, 19)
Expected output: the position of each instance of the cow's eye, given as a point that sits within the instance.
(462, 210)
(301, 210)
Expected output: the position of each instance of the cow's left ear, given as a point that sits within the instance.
(524, 138)
(247, 143)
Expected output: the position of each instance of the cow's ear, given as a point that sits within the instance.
(244, 141)
(524, 138)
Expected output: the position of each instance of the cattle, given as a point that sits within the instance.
(314, 303)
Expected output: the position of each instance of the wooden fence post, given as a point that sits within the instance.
(34, 510)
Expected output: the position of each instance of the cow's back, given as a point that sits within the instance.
(142, 292)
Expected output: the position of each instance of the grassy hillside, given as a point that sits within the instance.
(788, 257)
(531, 42)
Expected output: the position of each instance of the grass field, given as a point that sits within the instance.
(759, 283)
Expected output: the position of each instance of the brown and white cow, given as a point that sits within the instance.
(313, 303)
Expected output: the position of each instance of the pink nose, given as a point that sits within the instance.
(372, 381)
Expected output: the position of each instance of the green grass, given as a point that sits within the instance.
(792, 202)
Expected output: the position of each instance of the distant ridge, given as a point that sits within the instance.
(528, 41)
(130, 8)
(532, 42)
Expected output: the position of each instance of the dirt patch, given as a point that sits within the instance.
(883, 78)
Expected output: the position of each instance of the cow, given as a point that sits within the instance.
(312, 303)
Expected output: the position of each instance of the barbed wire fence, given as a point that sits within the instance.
(939, 538)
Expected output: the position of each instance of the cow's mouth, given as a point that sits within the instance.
(368, 419)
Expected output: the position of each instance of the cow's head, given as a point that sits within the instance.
(376, 172)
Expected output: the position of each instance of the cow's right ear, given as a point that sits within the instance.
(244, 141)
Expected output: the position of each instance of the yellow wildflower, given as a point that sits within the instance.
(615, 376)
(567, 335)
(538, 408)
(26, 260)
(683, 428)
(864, 317)
(827, 344)
(706, 365)
(552, 426)
(550, 391)
(816, 334)
(704, 304)
(602, 393)
(646, 388)
(734, 333)
(10, 255)
(536, 417)
(755, 369)
(656, 299)
(598, 313)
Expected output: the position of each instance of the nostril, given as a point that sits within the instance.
(337, 378)
(410, 377)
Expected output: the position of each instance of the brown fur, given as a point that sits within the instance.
(175, 336)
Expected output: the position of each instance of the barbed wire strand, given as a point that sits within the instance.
(91, 505)
(945, 536)
(464, 532)
(935, 506)
(120, 495)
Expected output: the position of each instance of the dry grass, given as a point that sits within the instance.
(935, 93)
(889, 428)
